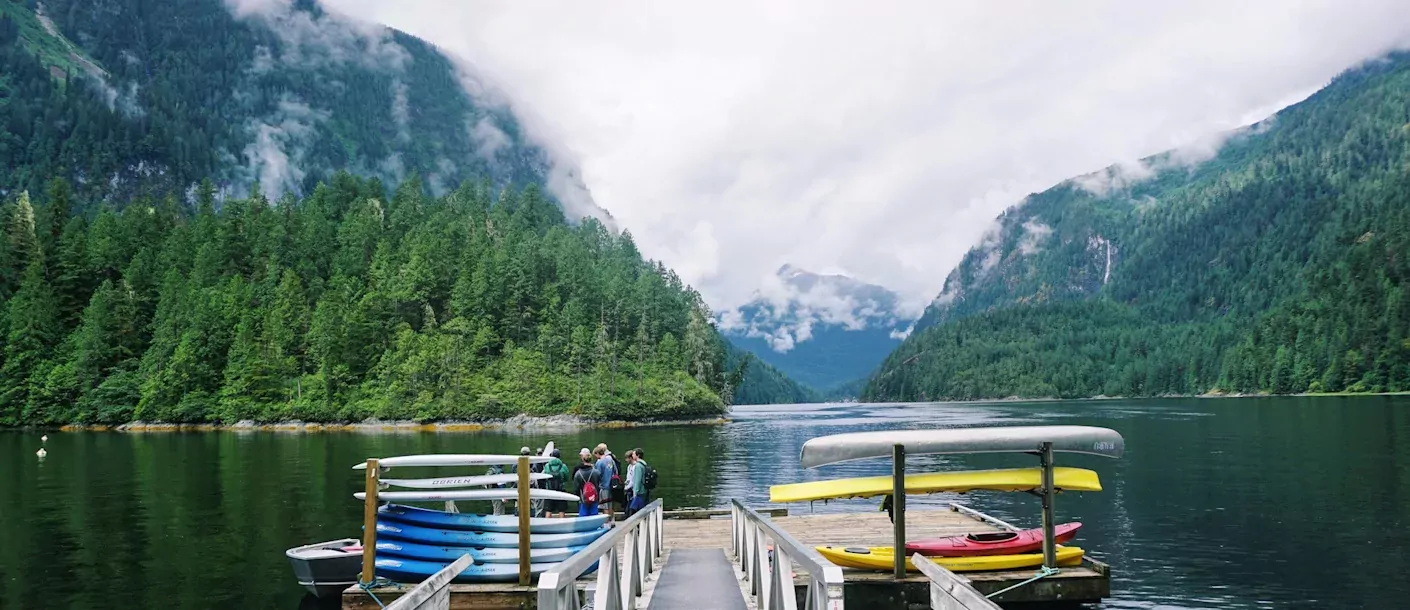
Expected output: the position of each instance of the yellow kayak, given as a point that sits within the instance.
(883, 558)
(1007, 479)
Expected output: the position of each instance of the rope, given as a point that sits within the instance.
(1042, 573)
(377, 581)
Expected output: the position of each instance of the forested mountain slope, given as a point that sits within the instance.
(1279, 265)
(122, 97)
(198, 227)
(343, 305)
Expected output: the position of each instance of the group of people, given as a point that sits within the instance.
(600, 480)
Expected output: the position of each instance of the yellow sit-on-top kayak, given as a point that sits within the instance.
(1007, 479)
(883, 558)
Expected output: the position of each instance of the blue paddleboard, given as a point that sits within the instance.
(499, 540)
(487, 523)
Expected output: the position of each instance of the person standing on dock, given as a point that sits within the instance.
(608, 477)
(637, 470)
(496, 506)
(585, 486)
(557, 481)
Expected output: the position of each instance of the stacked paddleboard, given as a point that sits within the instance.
(414, 543)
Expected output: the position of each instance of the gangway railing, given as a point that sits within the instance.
(618, 582)
(434, 592)
(948, 591)
(770, 573)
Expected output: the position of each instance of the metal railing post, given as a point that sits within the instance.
(618, 585)
(752, 535)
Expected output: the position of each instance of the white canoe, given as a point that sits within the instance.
(451, 459)
(468, 494)
(835, 448)
(467, 481)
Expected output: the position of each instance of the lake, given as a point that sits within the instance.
(1219, 503)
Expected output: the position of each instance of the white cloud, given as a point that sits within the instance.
(310, 41)
(1034, 233)
(401, 110)
(275, 155)
(731, 137)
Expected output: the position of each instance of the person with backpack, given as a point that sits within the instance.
(557, 481)
(608, 477)
(585, 485)
(643, 478)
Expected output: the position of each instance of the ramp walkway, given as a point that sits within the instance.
(698, 579)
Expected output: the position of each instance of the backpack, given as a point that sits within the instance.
(587, 491)
(649, 480)
(615, 485)
(559, 472)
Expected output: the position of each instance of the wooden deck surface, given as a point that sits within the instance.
(870, 528)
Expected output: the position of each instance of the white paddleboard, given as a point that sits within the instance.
(468, 494)
(450, 459)
(467, 481)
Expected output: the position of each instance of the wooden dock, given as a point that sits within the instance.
(1089, 583)
(863, 589)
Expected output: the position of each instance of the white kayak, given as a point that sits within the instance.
(469, 494)
(466, 481)
(451, 459)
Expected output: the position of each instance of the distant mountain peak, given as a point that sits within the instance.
(822, 329)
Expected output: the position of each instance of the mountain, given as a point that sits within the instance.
(259, 210)
(822, 330)
(762, 384)
(122, 97)
(1274, 264)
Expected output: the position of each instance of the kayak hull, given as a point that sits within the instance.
(1005, 479)
(466, 481)
(998, 543)
(451, 459)
(412, 570)
(426, 517)
(883, 558)
(448, 554)
(432, 495)
(491, 540)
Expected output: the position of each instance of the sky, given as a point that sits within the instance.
(879, 139)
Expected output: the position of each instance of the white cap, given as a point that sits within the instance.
(584, 451)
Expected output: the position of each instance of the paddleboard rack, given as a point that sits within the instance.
(1044, 441)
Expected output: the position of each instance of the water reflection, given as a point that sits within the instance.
(1251, 503)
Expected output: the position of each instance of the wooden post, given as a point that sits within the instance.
(523, 507)
(1049, 544)
(369, 524)
(898, 507)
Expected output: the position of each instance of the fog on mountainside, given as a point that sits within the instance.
(199, 228)
(1278, 266)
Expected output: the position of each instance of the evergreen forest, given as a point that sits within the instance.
(344, 305)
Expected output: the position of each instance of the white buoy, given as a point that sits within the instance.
(41, 453)
(44, 439)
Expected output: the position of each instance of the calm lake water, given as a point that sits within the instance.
(1219, 503)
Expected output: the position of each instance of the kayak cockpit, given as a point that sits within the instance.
(991, 537)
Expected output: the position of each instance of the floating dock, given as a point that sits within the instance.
(697, 529)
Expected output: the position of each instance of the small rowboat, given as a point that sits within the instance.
(991, 543)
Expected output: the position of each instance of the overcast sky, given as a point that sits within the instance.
(875, 138)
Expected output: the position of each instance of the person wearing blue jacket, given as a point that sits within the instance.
(606, 470)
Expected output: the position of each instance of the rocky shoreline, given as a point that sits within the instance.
(518, 422)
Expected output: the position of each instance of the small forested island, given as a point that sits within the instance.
(344, 305)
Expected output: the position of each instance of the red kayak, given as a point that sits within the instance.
(991, 543)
